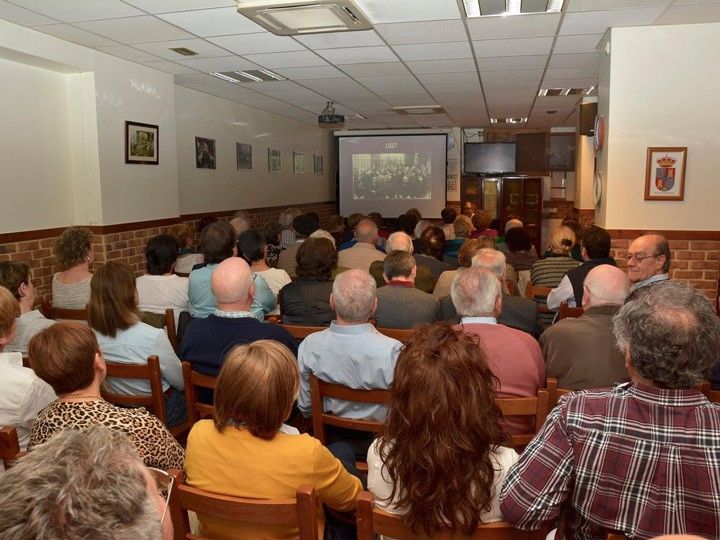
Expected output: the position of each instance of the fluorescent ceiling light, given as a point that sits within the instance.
(247, 75)
(493, 8)
(225, 77)
(419, 109)
(360, 116)
(510, 120)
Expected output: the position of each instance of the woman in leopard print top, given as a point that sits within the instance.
(66, 355)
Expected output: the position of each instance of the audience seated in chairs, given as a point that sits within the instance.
(123, 338)
(513, 356)
(306, 301)
(352, 353)
(67, 357)
(580, 353)
(439, 459)
(88, 484)
(253, 248)
(207, 341)
(247, 451)
(399, 303)
(160, 289)
(71, 287)
(400, 241)
(432, 244)
(15, 276)
(448, 215)
(303, 226)
(187, 258)
(363, 253)
(636, 458)
(467, 251)
(463, 229)
(648, 261)
(22, 394)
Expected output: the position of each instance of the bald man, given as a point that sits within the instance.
(207, 341)
(364, 252)
(581, 353)
(648, 261)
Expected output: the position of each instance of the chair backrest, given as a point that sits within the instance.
(710, 394)
(170, 329)
(372, 521)
(182, 274)
(537, 406)
(321, 389)
(58, 314)
(196, 410)
(539, 294)
(150, 372)
(567, 312)
(300, 331)
(9, 446)
(401, 334)
(300, 512)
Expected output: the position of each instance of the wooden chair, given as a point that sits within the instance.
(372, 521)
(511, 286)
(567, 312)
(401, 334)
(538, 294)
(301, 332)
(9, 446)
(275, 319)
(166, 321)
(537, 406)
(710, 394)
(155, 402)
(196, 410)
(57, 314)
(555, 393)
(300, 512)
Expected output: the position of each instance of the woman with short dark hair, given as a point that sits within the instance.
(439, 459)
(71, 286)
(160, 288)
(247, 450)
(306, 301)
(432, 244)
(253, 248)
(521, 254)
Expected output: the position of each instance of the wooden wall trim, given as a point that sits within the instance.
(631, 234)
(189, 217)
(24, 236)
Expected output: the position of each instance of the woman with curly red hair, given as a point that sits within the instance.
(439, 459)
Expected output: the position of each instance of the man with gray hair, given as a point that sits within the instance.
(350, 352)
(83, 484)
(401, 241)
(400, 304)
(580, 352)
(513, 356)
(364, 252)
(641, 458)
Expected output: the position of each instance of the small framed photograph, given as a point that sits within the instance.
(244, 156)
(317, 164)
(204, 153)
(142, 143)
(274, 164)
(665, 173)
(298, 163)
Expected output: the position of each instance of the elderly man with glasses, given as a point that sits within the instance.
(648, 261)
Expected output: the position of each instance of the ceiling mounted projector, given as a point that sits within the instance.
(328, 119)
(293, 17)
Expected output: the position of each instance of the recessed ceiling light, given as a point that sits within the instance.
(484, 8)
(184, 51)
(249, 75)
(509, 120)
(590, 90)
(360, 116)
(574, 91)
(419, 109)
(551, 92)
(225, 77)
(551, 112)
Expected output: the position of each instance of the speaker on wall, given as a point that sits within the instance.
(587, 118)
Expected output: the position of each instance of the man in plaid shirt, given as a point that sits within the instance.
(643, 458)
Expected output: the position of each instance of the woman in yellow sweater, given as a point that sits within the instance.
(247, 450)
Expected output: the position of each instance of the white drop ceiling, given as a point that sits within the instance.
(420, 52)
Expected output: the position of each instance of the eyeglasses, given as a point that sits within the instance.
(639, 257)
(165, 483)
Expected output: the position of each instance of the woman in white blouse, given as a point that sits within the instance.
(253, 248)
(71, 287)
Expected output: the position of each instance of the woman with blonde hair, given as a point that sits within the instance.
(439, 459)
(71, 287)
(248, 451)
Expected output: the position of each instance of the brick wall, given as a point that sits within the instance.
(125, 242)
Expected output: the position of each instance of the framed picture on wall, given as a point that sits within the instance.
(142, 143)
(298, 163)
(665, 173)
(244, 156)
(317, 164)
(274, 164)
(204, 153)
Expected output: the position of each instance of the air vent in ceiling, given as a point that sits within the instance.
(292, 17)
(184, 51)
(419, 109)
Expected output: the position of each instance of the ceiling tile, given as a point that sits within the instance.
(358, 55)
(335, 40)
(25, 17)
(594, 22)
(512, 47)
(460, 78)
(514, 75)
(135, 29)
(453, 65)
(422, 32)
(403, 100)
(75, 35)
(571, 82)
(693, 2)
(371, 70)
(690, 14)
(434, 51)
(287, 59)
(556, 102)
(162, 6)
(576, 44)
(384, 11)
(170, 67)
(535, 25)
(332, 83)
(573, 60)
(599, 5)
(318, 72)
(257, 43)
(212, 65)
(213, 22)
(80, 10)
(501, 63)
(129, 53)
(572, 73)
(200, 46)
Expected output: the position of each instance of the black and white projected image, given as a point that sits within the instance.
(391, 176)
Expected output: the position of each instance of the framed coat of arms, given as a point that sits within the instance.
(665, 173)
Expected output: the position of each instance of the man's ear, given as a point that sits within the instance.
(374, 307)
(498, 304)
(22, 290)
(387, 279)
(628, 363)
(332, 302)
(586, 297)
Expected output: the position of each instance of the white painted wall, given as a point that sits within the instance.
(660, 86)
(226, 188)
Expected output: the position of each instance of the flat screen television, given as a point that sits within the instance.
(489, 158)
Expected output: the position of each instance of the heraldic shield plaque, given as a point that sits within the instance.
(665, 173)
